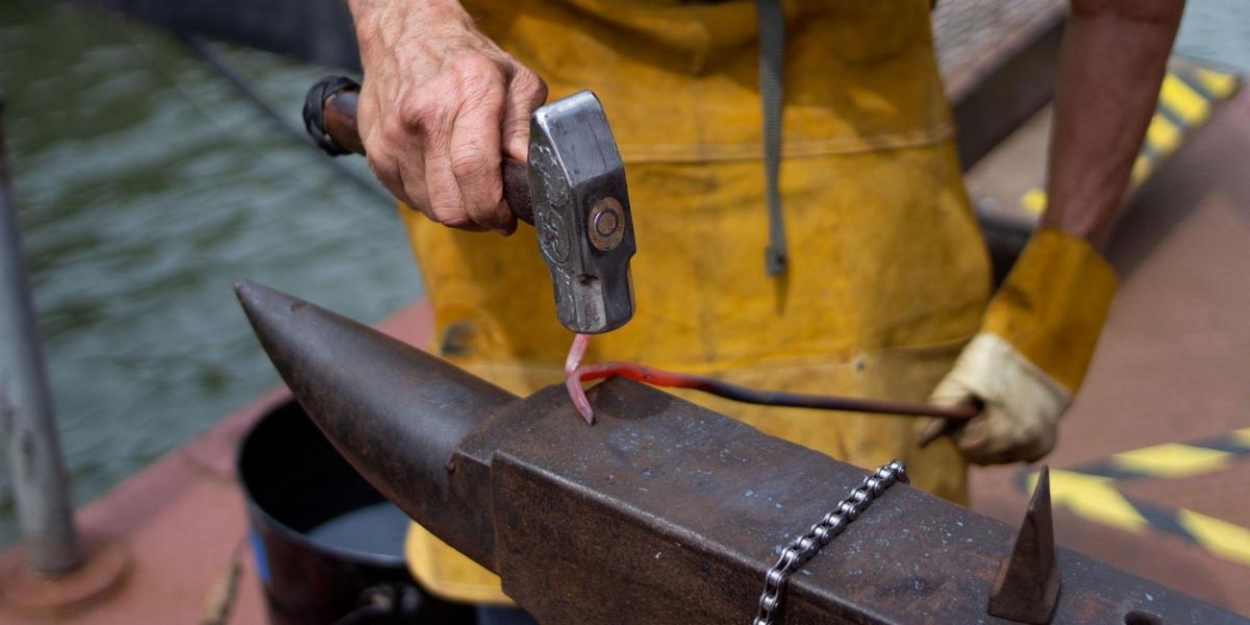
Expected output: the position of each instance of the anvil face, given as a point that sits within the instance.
(663, 512)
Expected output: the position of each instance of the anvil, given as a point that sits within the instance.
(663, 513)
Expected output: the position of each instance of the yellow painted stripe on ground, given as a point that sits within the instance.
(1162, 135)
(1224, 539)
(1171, 460)
(1033, 201)
(1219, 84)
(1181, 98)
(1093, 498)
(1141, 169)
(1242, 436)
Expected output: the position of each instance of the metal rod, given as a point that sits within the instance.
(27, 423)
(720, 388)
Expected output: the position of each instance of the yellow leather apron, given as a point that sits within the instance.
(887, 276)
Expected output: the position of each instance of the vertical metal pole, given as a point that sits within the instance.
(27, 424)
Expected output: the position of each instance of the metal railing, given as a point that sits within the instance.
(27, 423)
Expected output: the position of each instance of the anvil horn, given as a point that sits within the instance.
(394, 412)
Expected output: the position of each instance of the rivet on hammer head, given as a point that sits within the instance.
(607, 224)
(1027, 586)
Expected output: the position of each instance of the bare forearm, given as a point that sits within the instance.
(1113, 61)
(382, 25)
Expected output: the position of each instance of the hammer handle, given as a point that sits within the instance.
(330, 118)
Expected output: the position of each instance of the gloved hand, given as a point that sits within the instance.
(1031, 354)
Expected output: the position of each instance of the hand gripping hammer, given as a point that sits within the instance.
(573, 192)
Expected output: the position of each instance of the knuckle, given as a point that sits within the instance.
(418, 113)
(377, 160)
(470, 162)
(446, 212)
(459, 220)
(475, 67)
(487, 216)
(529, 85)
(1037, 440)
(477, 77)
(423, 109)
(414, 200)
(383, 164)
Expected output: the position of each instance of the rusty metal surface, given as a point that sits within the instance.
(673, 517)
(663, 512)
(1028, 582)
(395, 412)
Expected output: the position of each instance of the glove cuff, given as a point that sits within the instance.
(1053, 304)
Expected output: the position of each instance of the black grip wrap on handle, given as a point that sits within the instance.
(314, 111)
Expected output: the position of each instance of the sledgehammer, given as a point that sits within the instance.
(573, 192)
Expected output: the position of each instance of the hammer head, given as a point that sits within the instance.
(581, 213)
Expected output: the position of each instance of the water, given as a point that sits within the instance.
(376, 529)
(146, 186)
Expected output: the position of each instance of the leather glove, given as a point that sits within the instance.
(1031, 355)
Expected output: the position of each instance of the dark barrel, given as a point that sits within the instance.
(328, 546)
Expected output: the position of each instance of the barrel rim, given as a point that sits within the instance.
(254, 507)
